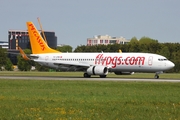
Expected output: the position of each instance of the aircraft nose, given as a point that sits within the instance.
(171, 64)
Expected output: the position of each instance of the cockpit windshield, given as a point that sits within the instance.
(162, 59)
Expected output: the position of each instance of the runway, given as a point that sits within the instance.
(85, 79)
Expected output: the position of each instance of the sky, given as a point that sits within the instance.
(73, 21)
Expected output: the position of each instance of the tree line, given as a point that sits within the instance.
(170, 50)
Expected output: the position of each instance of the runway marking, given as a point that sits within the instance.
(88, 79)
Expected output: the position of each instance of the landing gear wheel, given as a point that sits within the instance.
(86, 75)
(156, 76)
(102, 76)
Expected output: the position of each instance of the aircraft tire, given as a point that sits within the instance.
(156, 76)
(86, 75)
(102, 76)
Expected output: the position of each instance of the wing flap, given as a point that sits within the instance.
(73, 66)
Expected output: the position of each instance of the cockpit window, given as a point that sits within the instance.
(162, 59)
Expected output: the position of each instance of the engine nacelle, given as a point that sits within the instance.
(124, 73)
(97, 70)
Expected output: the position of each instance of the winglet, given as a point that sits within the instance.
(23, 54)
(120, 51)
(38, 45)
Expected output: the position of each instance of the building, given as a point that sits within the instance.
(20, 38)
(105, 40)
(4, 44)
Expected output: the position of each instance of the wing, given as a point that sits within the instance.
(74, 66)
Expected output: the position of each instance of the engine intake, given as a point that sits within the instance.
(97, 70)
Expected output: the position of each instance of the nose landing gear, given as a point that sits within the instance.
(156, 76)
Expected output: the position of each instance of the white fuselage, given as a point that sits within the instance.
(115, 62)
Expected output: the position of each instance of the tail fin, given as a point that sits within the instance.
(23, 54)
(38, 45)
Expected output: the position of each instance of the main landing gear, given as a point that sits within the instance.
(88, 76)
(102, 76)
(156, 76)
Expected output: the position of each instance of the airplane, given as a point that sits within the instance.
(95, 63)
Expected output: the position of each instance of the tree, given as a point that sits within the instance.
(65, 48)
(148, 45)
(81, 48)
(133, 45)
(165, 51)
(134, 39)
(40, 67)
(24, 65)
(147, 40)
(102, 48)
(5, 62)
(9, 65)
(3, 57)
(175, 57)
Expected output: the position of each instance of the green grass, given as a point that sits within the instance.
(80, 74)
(87, 100)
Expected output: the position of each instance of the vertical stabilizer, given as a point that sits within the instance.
(38, 45)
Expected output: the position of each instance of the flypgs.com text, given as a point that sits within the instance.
(118, 60)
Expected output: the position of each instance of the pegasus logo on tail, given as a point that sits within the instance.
(38, 45)
(37, 36)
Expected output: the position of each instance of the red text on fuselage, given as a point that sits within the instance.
(113, 61)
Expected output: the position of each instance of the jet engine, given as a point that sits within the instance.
(97, 70)
(124, 73)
